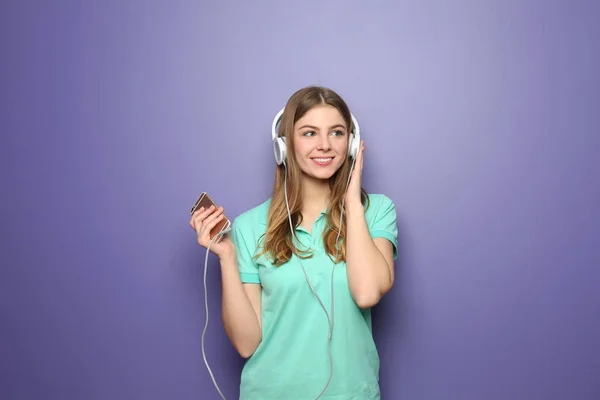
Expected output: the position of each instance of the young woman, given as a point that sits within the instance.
(297, 304)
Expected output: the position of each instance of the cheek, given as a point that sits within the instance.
(342, 146)
(300, 150)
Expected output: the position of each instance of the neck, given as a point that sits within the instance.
(315, 194)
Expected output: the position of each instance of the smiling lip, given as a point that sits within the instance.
(323, 161)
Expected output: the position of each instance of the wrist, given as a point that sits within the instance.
(228, 256)
(354, 207)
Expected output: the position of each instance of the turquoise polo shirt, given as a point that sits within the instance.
(292, 360)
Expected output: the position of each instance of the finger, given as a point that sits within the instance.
(205, 216)
(208, 225)
(362, 159)
(362, 149)
(359, 163)
(198, 211)
(194, 216)
(208, 220)
(204, 212)
(200, 216)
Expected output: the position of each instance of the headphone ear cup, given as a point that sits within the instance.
(279, 150)
(353, 147)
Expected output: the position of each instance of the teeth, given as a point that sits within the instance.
(323, 159)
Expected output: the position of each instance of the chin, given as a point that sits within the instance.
(322, 176)
(322, 173)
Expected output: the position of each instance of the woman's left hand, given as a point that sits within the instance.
(354, 189)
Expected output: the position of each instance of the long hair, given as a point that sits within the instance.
(278, 239)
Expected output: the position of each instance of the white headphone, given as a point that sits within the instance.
(280, 149)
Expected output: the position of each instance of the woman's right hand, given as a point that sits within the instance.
(203, 221)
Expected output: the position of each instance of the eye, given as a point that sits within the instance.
(338, 133)
(308, 133)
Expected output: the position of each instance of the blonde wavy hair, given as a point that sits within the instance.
(277, 241)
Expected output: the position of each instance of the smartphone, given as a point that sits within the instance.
(205, 201)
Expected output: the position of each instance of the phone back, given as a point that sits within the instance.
(205, 201)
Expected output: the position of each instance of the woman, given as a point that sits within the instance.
(306, 330)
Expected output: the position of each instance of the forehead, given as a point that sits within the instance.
(321, 116)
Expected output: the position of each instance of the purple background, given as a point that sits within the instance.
(481, 123)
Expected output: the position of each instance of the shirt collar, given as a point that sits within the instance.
(265, 214)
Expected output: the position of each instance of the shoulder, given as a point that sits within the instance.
(252, 219)
(249, 227)
(378, 202)
(378, 199)
(380, 208)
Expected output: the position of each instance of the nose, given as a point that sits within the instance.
(324, 143)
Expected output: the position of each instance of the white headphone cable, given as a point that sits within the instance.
(224, 231)
(329, 320)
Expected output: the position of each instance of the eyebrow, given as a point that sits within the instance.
(315, 128)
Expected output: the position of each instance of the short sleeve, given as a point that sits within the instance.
(245, 250)
(383, 223)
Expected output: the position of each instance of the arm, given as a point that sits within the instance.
(241, 302)
(241, 308)
(369, 262)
